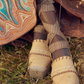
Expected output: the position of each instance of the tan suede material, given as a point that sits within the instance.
(39, 57)
(50, 37)
(39, 61)
(40, 29)
(53, 30)
(68, 78)
(43, 7)
(48, 7)
(39, 53)
(58, 45)
(40, 44)
(63, 71)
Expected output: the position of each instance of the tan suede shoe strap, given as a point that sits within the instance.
(47, 1)
(52, 28)
(58, 45)
(40, 29)
(52, 31)
(51, 36)
(45, 8)
(46, 5)
(67, 71)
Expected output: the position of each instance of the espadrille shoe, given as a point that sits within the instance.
(39, 59)
(63, 71)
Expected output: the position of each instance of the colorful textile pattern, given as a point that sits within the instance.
(17, 17)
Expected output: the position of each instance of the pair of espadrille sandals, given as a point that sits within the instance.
(63, 71)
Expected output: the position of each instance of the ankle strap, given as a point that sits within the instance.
(58, 45)
(46, 5)
(40, 29)
(47, 1)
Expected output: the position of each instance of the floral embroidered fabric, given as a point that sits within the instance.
(17, 17)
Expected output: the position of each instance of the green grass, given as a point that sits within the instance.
(14, 63)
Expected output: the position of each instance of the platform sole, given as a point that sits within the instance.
(38, 74)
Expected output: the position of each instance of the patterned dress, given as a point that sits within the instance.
(17, 17)
(71, 17)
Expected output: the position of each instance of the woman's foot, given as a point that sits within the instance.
(63, 71)
(58, 47)
(39, 57)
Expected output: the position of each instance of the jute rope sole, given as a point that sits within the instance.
(39, 74)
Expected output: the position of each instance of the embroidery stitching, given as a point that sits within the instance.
(64, 72)
(40, 54)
